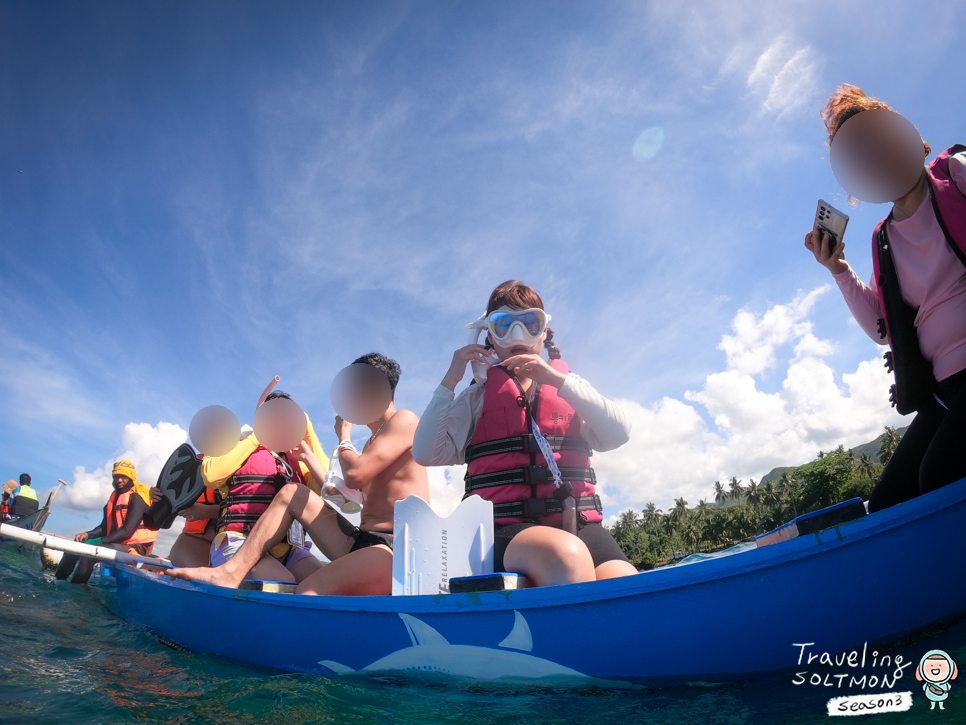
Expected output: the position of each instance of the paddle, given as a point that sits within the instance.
(101, 553)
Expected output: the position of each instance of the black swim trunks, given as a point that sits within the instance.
(595, 537)
(364, 538)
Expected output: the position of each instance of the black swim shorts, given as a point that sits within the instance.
(595, 537)
(364, 538)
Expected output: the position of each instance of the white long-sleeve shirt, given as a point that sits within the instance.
(446, 427)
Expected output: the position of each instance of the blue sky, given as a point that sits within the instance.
(195, 197)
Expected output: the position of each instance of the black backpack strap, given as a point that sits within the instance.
(915, 381)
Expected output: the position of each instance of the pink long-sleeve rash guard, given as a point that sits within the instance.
(931, 277)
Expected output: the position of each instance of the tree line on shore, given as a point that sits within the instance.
(738, 512)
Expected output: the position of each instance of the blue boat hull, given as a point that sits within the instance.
(722, 619)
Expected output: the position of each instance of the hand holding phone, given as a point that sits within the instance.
(829, 220)
(830, 224)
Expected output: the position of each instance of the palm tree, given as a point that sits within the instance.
(680, 509)
(735, 486)
(850, 459)
(889, 441)
(627, 520)
(651, 512)
(787, 487)
(719, 492)
(691, 534)
(867, 466)
(754, 495)
(769, 494)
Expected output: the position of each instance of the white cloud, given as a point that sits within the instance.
(674, 452)
(785, 75)
(146, 446)
(445, 488)
(751, 350)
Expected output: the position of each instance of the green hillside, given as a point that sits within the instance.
(737, 511)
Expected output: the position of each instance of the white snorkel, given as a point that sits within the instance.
(480, 368)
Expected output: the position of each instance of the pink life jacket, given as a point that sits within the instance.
(505, 464)
(915, 381)
(251, 489)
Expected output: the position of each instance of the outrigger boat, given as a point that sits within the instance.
(865, 581)
(36, 520)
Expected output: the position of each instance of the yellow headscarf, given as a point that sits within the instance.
(126, 468)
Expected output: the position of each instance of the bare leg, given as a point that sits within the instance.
(366, 572)
(306, 568)
(190, 550)
(548, 556)
(292, 502)
(614, 569)
(270, 569)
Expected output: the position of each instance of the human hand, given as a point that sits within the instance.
(302, 452)
(81, 537)
(155, 493)
(833, 261)
(343, 429)
(457, 368)
(195, 512)
(535, 368)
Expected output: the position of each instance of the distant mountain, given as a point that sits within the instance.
(871, 449)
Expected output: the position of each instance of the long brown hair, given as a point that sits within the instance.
(514, 293)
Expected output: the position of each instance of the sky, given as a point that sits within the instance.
(195, 197)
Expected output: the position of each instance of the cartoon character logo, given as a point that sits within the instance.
(936, 669)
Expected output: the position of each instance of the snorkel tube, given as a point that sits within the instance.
(480, 368)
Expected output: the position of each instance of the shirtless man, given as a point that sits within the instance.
(361, 557)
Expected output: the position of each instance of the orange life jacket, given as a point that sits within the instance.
(198, 526)
(117, 507)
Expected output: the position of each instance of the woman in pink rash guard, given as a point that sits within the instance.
(917, 301)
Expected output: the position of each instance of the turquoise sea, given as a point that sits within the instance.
(68, 656)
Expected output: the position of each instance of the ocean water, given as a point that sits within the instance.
(68, 656)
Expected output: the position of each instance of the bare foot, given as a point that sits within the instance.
(218, 576)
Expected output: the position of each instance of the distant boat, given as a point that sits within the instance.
(867, 580)
(36, 520)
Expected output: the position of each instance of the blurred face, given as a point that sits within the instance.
(360, 394)
(121, 482)
(877, 156)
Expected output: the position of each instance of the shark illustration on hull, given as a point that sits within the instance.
(431, 652)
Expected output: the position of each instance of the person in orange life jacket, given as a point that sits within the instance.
(120, 528)
(501, 429)
(248, 479)
(8, 488)
(361, 557)
(916, 299)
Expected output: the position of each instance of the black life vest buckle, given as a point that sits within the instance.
(537, 474)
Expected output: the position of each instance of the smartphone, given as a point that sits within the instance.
(830, 220)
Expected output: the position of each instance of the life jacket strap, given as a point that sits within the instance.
(241, 498)
(532, 508)
(526, 444)
(256, 479)
(529, 476)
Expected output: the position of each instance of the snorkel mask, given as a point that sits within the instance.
(508, 328)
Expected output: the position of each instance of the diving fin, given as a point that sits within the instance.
(181, 485)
